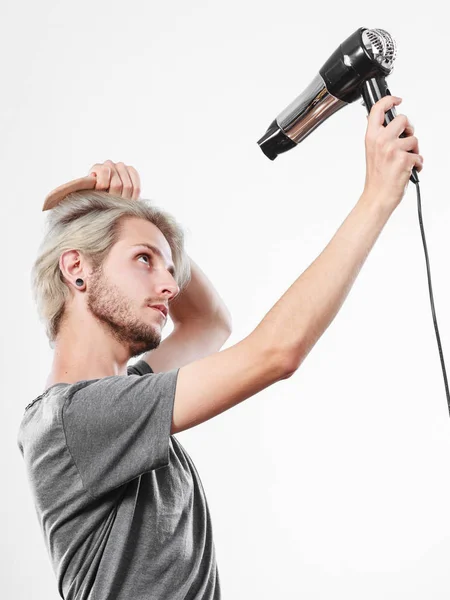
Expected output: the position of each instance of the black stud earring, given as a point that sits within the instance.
(79, 282)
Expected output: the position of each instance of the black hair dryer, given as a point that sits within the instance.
(357, 69)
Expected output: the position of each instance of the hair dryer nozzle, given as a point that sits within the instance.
(300, 118)
(275, 141)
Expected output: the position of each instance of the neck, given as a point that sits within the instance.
(86, 351)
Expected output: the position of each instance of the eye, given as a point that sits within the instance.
(147, 255)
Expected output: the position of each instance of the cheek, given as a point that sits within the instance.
(131, 280)
(121, 283)
(134, 283)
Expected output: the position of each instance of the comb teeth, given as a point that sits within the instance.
(382, 45)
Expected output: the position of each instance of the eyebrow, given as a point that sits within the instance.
(158, 252)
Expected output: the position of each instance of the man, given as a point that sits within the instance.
(119, 500)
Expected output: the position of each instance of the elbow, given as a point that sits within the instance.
(228, 328)
(286, 372)
(224, 331)
(290, 362)
(226, 324)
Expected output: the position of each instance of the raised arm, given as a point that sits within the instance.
(284, 337)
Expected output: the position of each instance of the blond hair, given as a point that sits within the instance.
(90, 222)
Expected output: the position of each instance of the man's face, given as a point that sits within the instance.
(132, 278)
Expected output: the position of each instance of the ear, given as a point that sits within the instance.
(72, 266)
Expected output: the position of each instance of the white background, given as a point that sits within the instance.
(333, 483)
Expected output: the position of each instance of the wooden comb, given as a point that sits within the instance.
(55, 196)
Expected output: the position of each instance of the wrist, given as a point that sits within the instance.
(378, 201)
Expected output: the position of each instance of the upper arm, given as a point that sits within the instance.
(118, 427)
(211, 385)
(187, 342)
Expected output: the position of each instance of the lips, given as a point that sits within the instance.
(161, 308)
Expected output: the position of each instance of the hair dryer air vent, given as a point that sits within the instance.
(382, 46)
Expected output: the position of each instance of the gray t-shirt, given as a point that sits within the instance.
(119, 501)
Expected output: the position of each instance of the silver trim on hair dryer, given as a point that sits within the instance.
(314, 105)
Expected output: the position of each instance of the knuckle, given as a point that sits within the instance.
(103, 171)
(404, 160)
(390, 151)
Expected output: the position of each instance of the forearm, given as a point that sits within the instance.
(199, 301)
(304, 312)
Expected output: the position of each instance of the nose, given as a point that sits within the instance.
(168, 286)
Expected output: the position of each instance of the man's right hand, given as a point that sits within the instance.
(389, 158)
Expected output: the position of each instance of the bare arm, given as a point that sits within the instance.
(279, 344)
(308, 307)
(199, 301)
(202, 324)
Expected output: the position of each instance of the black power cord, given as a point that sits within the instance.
(419, 206)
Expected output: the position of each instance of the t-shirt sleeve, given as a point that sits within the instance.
(141, 367)
(118, 427)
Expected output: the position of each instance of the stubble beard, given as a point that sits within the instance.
(114, 311)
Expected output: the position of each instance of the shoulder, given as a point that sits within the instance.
(141, 367)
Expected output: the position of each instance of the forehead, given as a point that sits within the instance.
(136, 231)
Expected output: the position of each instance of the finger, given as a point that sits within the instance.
(409, 129)
(378, 111)
(409, 144)
(103, 175)
(134, 175)
(409, 161)
(127, 185)
(115, 183)
(417, 162)
(399, 125)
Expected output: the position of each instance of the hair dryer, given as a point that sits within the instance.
(358, 68)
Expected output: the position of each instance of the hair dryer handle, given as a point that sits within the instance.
(373, 90)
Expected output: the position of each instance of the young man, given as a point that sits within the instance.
(120, 503)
